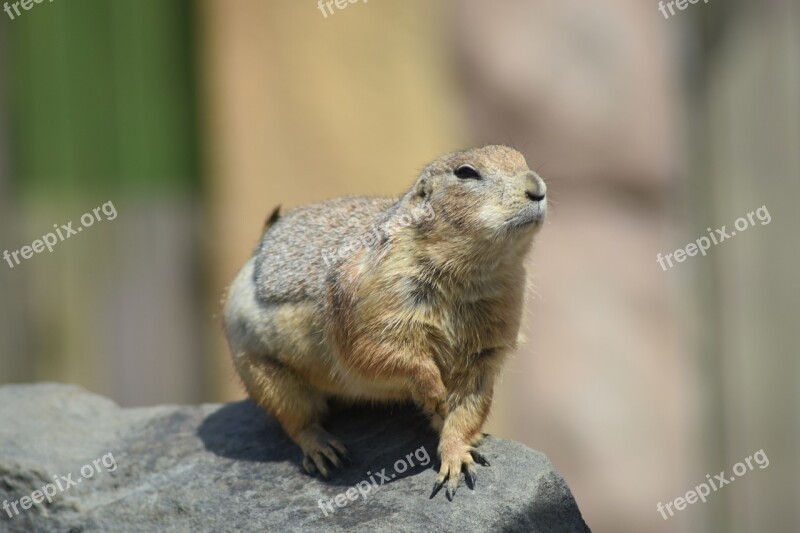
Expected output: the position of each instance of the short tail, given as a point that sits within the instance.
(273, 218)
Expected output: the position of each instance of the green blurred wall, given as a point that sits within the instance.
(102, 97)
(99, 102)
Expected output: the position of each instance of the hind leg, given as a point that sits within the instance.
(252, 327)
(296, 405)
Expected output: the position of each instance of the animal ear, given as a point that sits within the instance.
(423, 188)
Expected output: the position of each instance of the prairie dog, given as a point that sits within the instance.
(391, 299)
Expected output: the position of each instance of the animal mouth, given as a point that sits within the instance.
(533, 215)
(521, 222)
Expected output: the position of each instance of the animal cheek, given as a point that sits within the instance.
(490, 216)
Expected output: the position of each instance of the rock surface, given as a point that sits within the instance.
(231, 468)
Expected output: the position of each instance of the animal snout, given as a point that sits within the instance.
(535, 188)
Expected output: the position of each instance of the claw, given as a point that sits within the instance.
(308, 464)
(322, 452)
(344, 453)
(480, 459)
(469, 478)
(437, 486)
(452, 484)
(332, 457)
(450, 472)
(320, 464)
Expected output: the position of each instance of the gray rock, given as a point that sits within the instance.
(231, 468)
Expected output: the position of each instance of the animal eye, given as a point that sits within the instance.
(466, 172)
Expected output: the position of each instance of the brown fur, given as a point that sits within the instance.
(426, 309)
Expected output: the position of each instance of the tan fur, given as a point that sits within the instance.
(426, 312)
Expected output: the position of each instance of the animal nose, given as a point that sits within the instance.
(535, 187)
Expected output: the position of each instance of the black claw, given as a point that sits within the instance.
(450, 493)
(343, 453)
(343, 456)
(437, 486)
(469, 478)
(480, 459)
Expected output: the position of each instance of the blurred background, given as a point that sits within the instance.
(197, 118)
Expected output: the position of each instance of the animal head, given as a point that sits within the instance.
(485, 195)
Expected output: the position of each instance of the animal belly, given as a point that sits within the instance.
(336, 381)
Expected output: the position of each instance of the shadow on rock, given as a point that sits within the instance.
(242, 431)
(379, 440)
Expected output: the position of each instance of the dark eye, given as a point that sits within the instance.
(466, 172)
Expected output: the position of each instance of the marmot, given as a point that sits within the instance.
(379, 299)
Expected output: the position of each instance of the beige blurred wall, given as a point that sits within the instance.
(606, 385)
(748, 156)
(301, 108)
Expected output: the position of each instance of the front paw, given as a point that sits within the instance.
(457, 458)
